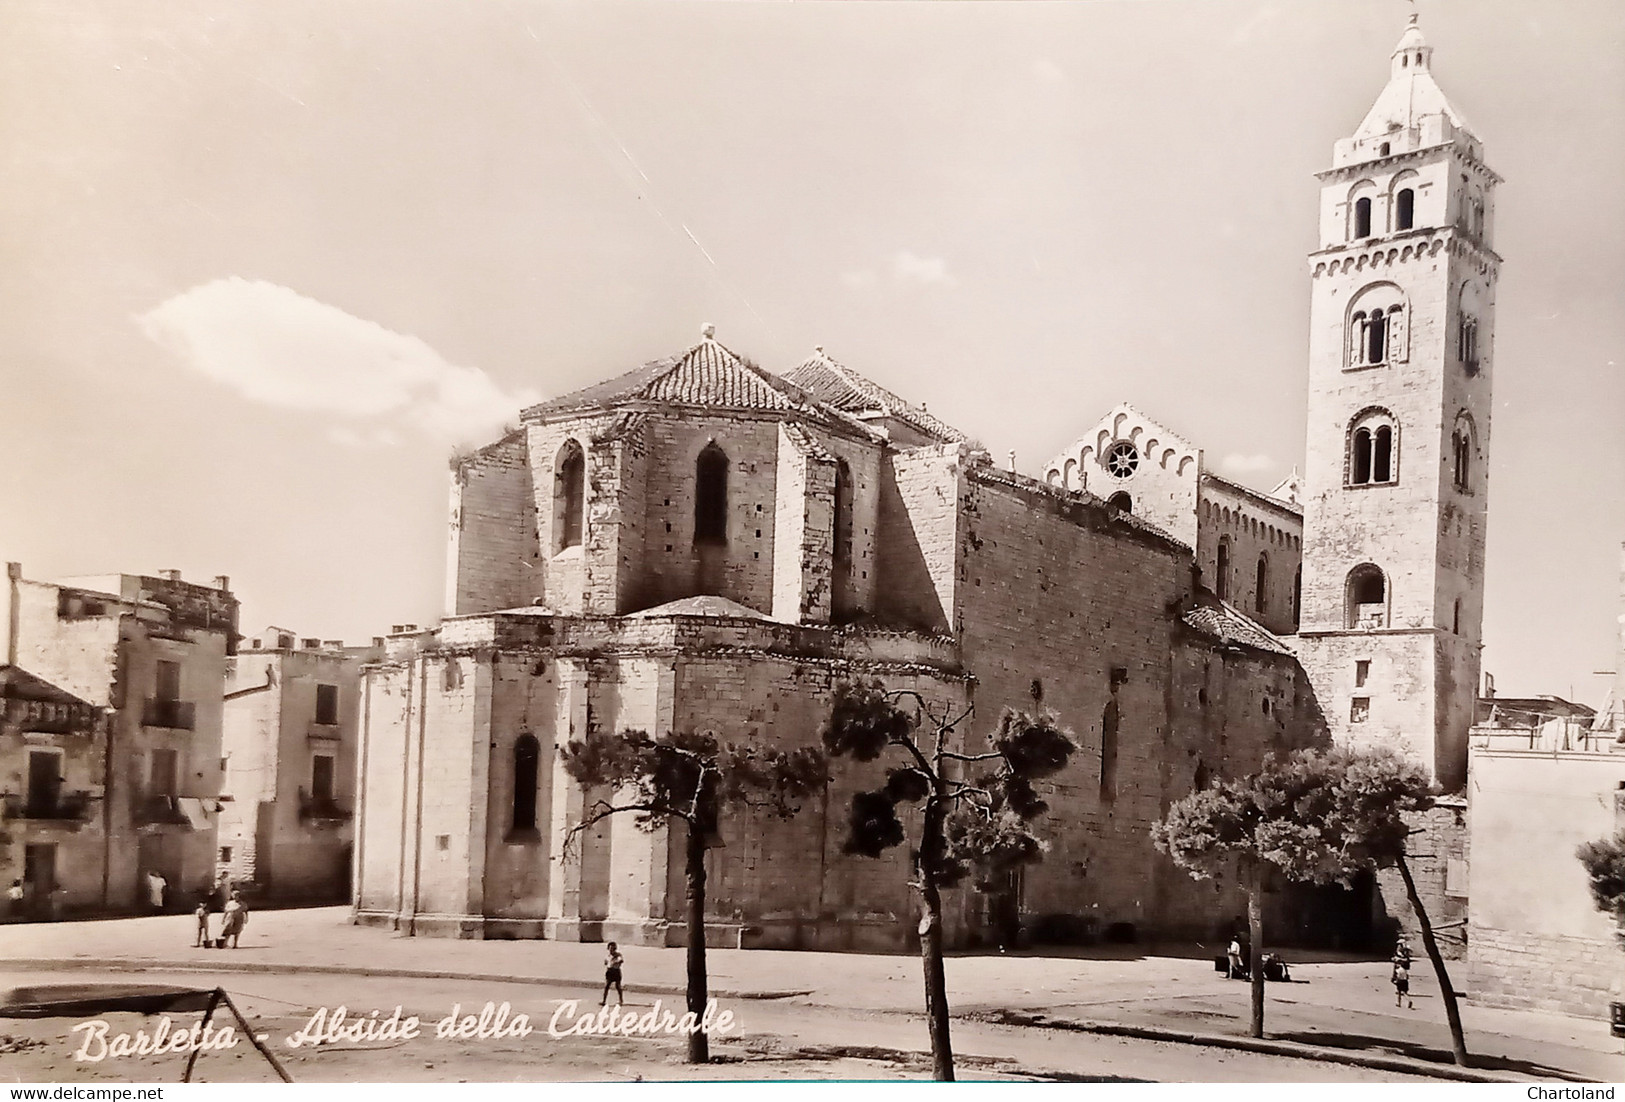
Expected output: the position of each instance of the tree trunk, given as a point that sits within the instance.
(1255, 958)
(699, 1048)
(1452, 1012)
(936, 981)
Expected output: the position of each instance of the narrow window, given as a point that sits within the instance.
(711, 496)
(1382, 455)
(1221, 583)
(843, 515)
(526, 757)
(165, 774)
(1360, 467)
(167, 684)
(225, 854)
(1359, 709)
(321, 777)
(1382, 150)
(1121, 501)
(1377, 337)
(1362, 670)
(1357, 339)
(1203, 777)
(1260, 600)
(327, 704)
(44, 783)
(1455, 620)
(1362, 218)
(1297, 595)
(1405, 209)
(569, 495)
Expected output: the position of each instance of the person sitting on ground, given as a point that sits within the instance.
(236, 917)
(612, 974)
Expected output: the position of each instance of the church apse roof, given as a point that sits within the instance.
(1220, 621)
(837, 385)
(709, 375)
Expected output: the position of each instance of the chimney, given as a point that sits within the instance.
(222, 582)
(377, 640)
(170, 575)
(14, 574)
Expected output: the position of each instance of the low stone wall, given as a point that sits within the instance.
(1571, 975)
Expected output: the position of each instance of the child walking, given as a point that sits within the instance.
(204, 940)
(612, 974)
(1402, 984)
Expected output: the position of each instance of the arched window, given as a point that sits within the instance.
(1221, 581)
(1362, 218)
(1367, 597)
(1261, 584)
(1121, 501)
(1376, 337)
(1383, 150)
(711, 496)
(1462, 447)
(569, 496)
(1404, 209)
(843, 515)
(527, 756)
(1373, 449)
(1376, 328)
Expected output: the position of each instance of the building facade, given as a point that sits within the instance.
(290, 730)
(149, 655)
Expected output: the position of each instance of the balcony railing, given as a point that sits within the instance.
(322, 730)
(180, 715)
(321, 809)
(61, 808)
(152, 810)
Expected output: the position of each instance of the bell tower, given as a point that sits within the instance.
(1400, 363)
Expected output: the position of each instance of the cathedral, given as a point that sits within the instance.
(700, 544)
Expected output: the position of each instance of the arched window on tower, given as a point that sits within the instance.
(527, 757)
(1121, 501)
(1376, 338)
(1373, 444)
(1362, 217)
(1462, 447)
(1377, 333)
(1221, 570)
(569, 496)
(1404, 209)
(1367, 598)
(1261, 584)
(711, 496)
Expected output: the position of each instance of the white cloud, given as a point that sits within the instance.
(275, 346)
(921, 269)
(1246, 464)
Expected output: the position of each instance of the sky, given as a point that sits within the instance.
(264, 266)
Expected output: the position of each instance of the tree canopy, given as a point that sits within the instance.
(1604, 862)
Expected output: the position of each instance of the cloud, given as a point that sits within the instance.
(1246, 464)
(279, 348)
(921, 269)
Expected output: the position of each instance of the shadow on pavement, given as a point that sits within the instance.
(1418, 1051)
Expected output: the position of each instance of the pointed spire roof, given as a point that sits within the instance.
(1411, 93)
(837, 385)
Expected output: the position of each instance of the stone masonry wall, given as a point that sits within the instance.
(918, 545)
(492, 546)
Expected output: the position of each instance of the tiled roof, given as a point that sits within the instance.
(1213, 617)
(837, 385)
(708, 374)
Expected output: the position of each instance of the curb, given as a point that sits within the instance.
(147, 964)
(1255, 1044)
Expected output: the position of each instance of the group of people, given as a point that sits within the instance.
(1401, 976)
(233, 917)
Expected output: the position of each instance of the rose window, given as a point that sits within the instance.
(1122, 459)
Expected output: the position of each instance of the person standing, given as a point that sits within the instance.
(236, 917)
(16, 900)
(156, 886)
(205, 940)
(1233, 958)
(612, 974)
(1402, 984)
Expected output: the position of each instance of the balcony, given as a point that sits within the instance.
(177, 715)
(318, 730)
(59, 808)
(160, 811)
(321, 810)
